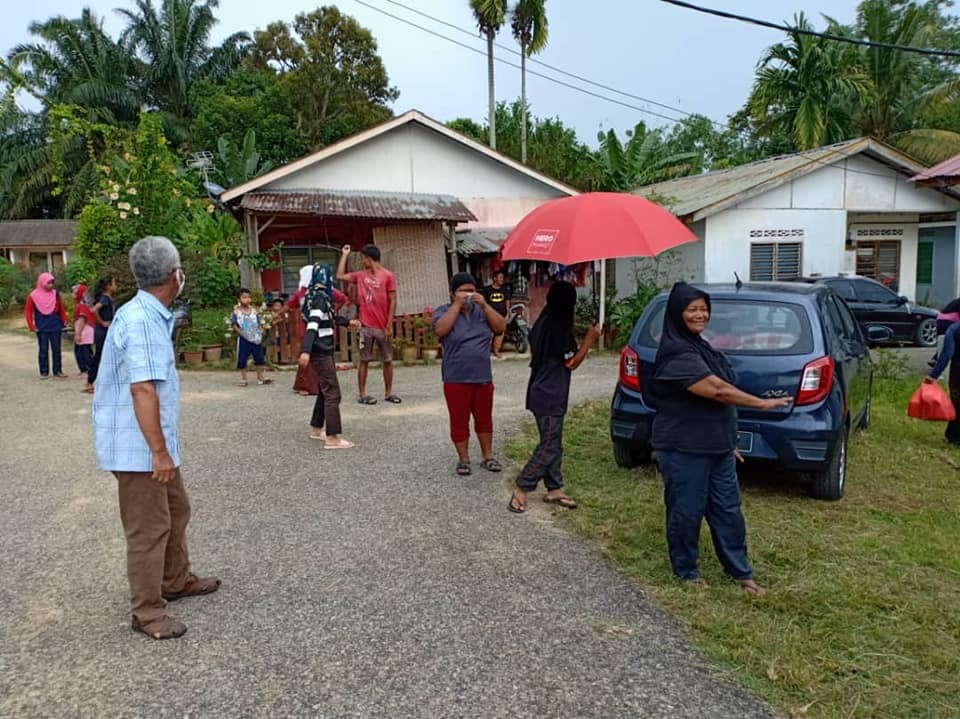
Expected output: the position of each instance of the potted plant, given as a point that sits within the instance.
(423, 326)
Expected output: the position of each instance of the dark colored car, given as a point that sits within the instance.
(873, 303)
(784, 340)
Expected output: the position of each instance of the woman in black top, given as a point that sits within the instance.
(553, 355)
(103, 310)
(695, 435)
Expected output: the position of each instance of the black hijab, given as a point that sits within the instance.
(552, 333)
(678, 340)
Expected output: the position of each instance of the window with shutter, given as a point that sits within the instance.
(879, 260)
(771, 261)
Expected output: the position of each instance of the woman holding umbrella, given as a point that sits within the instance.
(695, 436)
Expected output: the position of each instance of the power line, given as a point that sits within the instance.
(801, 153)
(813, 33)
(534, 61)
(514, 65)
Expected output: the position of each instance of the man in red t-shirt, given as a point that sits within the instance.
(377, 299)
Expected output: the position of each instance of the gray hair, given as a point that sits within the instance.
(152, 259)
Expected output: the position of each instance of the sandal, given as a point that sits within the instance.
(463, 468)
(392, 398)
(519, 507)
(491, 465)
(751, 587)
(322, 436)
(367, 399)
(165, 627)
(697, 583)
(563, 500)
(265, 381)
(195, 587)
(242, 384)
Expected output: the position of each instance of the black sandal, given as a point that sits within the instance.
(463, 468)
(491, 465)
(520, 507)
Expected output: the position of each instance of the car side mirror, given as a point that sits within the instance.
(902, 300)
(878, 333)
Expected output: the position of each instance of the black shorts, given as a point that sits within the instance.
(245, 350)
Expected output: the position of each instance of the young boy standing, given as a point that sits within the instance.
(246, 323)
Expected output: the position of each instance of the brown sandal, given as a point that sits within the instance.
(165, 627)
(195, 587)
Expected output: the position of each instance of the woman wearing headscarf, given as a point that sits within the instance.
(83, 323)
(45, 315)
(553, 356)
(319, 343)
(306, 383)
(465, 326)
(695, 436)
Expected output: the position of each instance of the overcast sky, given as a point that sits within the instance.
(642, 47)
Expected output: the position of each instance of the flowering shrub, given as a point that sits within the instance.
(423, 325)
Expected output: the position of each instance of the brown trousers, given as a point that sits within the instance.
(154, 518)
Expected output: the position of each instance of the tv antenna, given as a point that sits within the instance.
(202, 161)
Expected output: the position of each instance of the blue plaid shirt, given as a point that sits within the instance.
(138, 348)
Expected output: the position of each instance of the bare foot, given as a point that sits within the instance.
(335, 442)
(751, 587)
(697, 582)
(318, 434)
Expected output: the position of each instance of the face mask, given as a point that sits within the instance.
(181, 280)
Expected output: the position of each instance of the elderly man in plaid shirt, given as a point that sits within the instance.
(136, 410)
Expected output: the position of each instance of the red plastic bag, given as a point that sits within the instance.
(930, 402)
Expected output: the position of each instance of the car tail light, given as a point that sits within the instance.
(816, 381)
(630, 369)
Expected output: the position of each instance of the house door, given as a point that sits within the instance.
(880, 260)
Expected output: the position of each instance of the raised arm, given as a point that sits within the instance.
(342, 273)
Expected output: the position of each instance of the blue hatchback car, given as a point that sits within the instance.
(784, 340)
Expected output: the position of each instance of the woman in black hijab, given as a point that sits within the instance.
(553, 355)
(695, 435)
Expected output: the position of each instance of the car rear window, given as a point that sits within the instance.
(748, 327)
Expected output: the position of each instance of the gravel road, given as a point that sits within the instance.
(367, 583)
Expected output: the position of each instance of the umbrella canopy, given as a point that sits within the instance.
(594, 226)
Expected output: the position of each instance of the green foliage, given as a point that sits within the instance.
(643, 159)
(237, 164)
(81, 271)
(328, 63)
(250, 99)
(889, 364)
(15, 285)
(210, 245)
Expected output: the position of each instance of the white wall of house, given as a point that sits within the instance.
(730, 234)
(414, 158)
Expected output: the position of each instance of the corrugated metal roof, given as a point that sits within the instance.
(355, 203)
(38, 233)
(700, 196)
(482, 240)
(946, 170)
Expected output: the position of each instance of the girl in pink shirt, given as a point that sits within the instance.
(83, 323)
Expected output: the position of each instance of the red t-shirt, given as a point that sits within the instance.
(373, 296)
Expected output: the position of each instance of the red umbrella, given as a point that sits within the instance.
(594, 226)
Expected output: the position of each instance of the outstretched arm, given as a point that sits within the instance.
(342, 273)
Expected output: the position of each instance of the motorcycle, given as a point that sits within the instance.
(517, 328)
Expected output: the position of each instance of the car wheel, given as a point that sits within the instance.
(926, 335)
(629, 455)
(828, 484)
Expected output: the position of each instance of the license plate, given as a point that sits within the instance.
(745, 442)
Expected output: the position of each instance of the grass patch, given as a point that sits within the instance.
(863, 616)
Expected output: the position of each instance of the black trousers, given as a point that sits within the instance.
(49, 350)
(547, 457)
(326, 410)
(99, 338)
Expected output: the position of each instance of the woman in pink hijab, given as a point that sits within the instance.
(45, 316)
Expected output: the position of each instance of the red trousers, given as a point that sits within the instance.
(464, 399)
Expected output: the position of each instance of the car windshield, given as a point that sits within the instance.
(749, 327)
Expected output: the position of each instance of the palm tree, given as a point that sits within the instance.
(490, 16)
(529, 27)
(172, 43)
(807, 89)
(78, 63)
